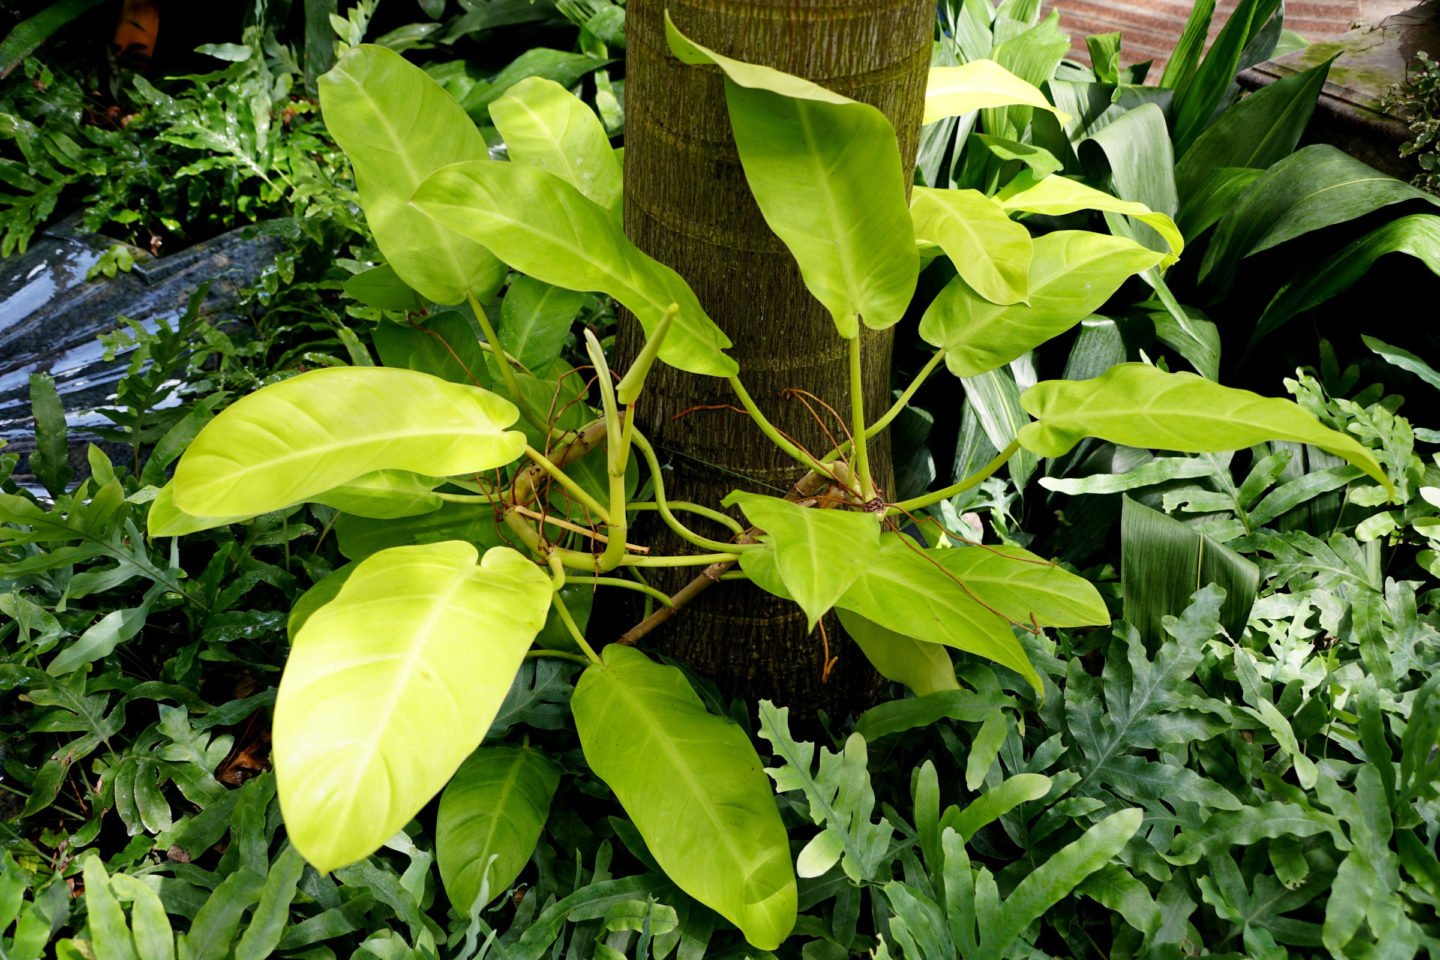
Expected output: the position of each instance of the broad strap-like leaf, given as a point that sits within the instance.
(490, 818)
(923, 667)
(817, 553)
(1072, 274)
(398, 126)
(825, 171)
(392, 684)
(1057, 196)
(693, 785)
(907, 590)
(292, 440)
(542, 226)
(1136, 405)
(1316, 187)
(990, 251)
(547, 126)
(1417, 234)
(979, 85)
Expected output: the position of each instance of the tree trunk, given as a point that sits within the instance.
(687, 204)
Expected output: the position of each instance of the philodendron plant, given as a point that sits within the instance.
(473, 483)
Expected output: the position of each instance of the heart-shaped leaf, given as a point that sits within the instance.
(694, 787)
(397, 126)
(906, 590)
(825, 171)
(304, 436)
(990, 251)
(544, 227)
(817, 553)
(979, 85)
(392, 684)
(1073, 272)
(547, 126)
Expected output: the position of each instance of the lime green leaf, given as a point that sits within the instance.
(990, 251)
(384, 495)
(906, 590)
(995, 803)
(826, 173)
(546, 126)
(108, 931)
(1024, 587)
(1057, 196)
(1136, 405)
(923, 667)
(301, 437)
(817, 553)
(544, 227)
(398, 126)
(167, 520)
(693, 785)
(392, 684)
(1072, 274)
(490, 819)
(979, 85)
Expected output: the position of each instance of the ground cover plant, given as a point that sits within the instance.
(1194, 778)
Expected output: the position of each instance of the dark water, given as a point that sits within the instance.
(51, 316)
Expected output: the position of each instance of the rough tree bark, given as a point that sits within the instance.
(687, 204)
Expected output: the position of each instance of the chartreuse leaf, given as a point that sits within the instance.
(1136, 405)
(108, 931)
(307, 435)
(547, 126)
(398, 126)
(490, 819)
(1025, 587)
(923, 667)
(906, 590)
(817, 553)
(990, 251)
(1057, 196)
(1073, 272)
(979, 85)
(167, 520)
(384, 495)
(544, 227)
(825, 171)
(392, 684)
(693, 785)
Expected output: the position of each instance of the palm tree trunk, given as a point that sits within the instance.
(687, 204)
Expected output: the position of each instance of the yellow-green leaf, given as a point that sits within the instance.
(392, 684)
(1136, 405)
(307, 435)
(694, 787)
(1057, 196)
(979, 85)
(990, 251)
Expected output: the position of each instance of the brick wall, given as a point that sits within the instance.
(1151, 28)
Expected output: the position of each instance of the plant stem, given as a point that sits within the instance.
(857, 422)
(769, 429)
(685, 506)
(557, 572)
(896, 408)
(975, 479)
(689, 560)
(624, 584)
(563, 478)
(673, 522)
(507, 372)
(561, 654)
